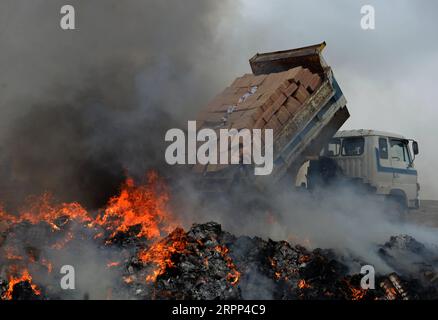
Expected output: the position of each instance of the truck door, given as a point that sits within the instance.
(385, 174)
(404, 176)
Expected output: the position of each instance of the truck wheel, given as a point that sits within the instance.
(396, 208)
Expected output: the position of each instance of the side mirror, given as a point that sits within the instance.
(415, 147)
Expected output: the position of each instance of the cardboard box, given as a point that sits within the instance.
(314, 83)
(304, 77)
(283, 115)
(274, 124)
(290, 90)
(292, 105)
(301, 94)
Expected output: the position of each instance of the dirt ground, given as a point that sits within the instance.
(426, 215)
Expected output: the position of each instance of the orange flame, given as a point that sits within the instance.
(144, 206)
(42, 209)
(234, 275)
(161, 253)
(354, 293)
(13, 281)
(357, 294)
(303, 259)
(5, 217)
(10, 254)
(302, 284)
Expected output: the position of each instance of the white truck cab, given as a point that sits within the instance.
(381, 160)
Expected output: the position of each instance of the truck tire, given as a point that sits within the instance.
(323, 172)
(396, 208)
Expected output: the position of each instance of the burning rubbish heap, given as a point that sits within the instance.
(153, 258)
(208, 263)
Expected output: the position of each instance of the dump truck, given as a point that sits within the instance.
(292, 92)
(295, 93)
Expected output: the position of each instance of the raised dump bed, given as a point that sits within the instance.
(292, 92)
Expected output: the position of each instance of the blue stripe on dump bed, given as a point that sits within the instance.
(338, 91)
(381, 168)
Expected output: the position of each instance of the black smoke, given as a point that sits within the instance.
(81, 109)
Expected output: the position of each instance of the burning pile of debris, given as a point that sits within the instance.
(153, 258)
(208, 263)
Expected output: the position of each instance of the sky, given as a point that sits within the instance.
(174, 56)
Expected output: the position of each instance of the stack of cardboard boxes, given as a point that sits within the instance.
(259, 102)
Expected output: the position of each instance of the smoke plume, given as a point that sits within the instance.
(81, 108)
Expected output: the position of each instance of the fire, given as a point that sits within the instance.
(144, 206)
(277, 274)
(15, 261)
(390, 292)
(304, 259)
(14, 281)
(5, 218)
(357, 294)
(142, 209)
(160, 253)
(302, 284)
(354, 292)
(11, 254)
(42, 209)
(233, 276)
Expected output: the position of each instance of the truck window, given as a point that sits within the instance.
(383, 148)
(333, 148)
(399, 150)
(353, 146)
